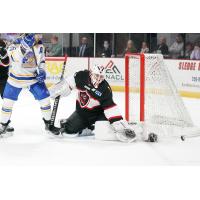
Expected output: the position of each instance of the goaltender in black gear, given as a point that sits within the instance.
(4, 65)
(4, 68)
(94, 107)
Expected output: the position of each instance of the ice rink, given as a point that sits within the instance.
(30, 145)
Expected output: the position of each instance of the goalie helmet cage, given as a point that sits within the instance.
(151, 96)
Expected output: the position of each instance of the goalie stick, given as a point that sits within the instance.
(57, 99)
(194, 135)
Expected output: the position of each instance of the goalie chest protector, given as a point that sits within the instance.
(90, 100)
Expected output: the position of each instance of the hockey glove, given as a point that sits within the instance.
(60, 89)
(124, 132)
(28, 57)
(41, 76)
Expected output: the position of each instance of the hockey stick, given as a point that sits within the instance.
(183, 137)
(57, 99)
(14, 40)
(35, 58)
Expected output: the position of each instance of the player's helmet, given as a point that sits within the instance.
(97, 75)
(28, 41)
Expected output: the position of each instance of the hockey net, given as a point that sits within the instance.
(151, 97)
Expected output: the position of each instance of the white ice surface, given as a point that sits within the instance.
(31, 146)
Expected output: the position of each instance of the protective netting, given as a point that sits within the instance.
(164, 110)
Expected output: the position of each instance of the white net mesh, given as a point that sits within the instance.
(164, 110)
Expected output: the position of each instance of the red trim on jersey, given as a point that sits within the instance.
(109, 107)
(87, 107)
(115, 117)
(3, 64)
(79, 89)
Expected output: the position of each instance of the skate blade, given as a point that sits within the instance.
(53, 135)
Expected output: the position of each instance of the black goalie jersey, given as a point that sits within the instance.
(93, 101)
(4, 62)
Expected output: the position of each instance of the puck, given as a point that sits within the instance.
(183, 138)
(152, 137)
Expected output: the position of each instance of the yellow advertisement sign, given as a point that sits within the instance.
(54, 68)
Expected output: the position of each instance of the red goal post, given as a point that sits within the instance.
(142, 85)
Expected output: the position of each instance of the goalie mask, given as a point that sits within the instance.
(97, 75)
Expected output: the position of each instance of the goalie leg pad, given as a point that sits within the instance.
(104, 131)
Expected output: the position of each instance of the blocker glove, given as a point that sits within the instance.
(61, 88)
(41, 75)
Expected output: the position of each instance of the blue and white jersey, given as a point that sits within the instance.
(23, 67)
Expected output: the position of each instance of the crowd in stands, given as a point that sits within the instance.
(176, 50)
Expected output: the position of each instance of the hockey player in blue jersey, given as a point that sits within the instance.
(27, 60)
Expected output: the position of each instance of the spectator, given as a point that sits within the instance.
(130, 48)
(188, 50)
(176, 49)
(55, 49)
(162, 47)
(195, 55)
(84, 49)
(144, 48)
(106, 52)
